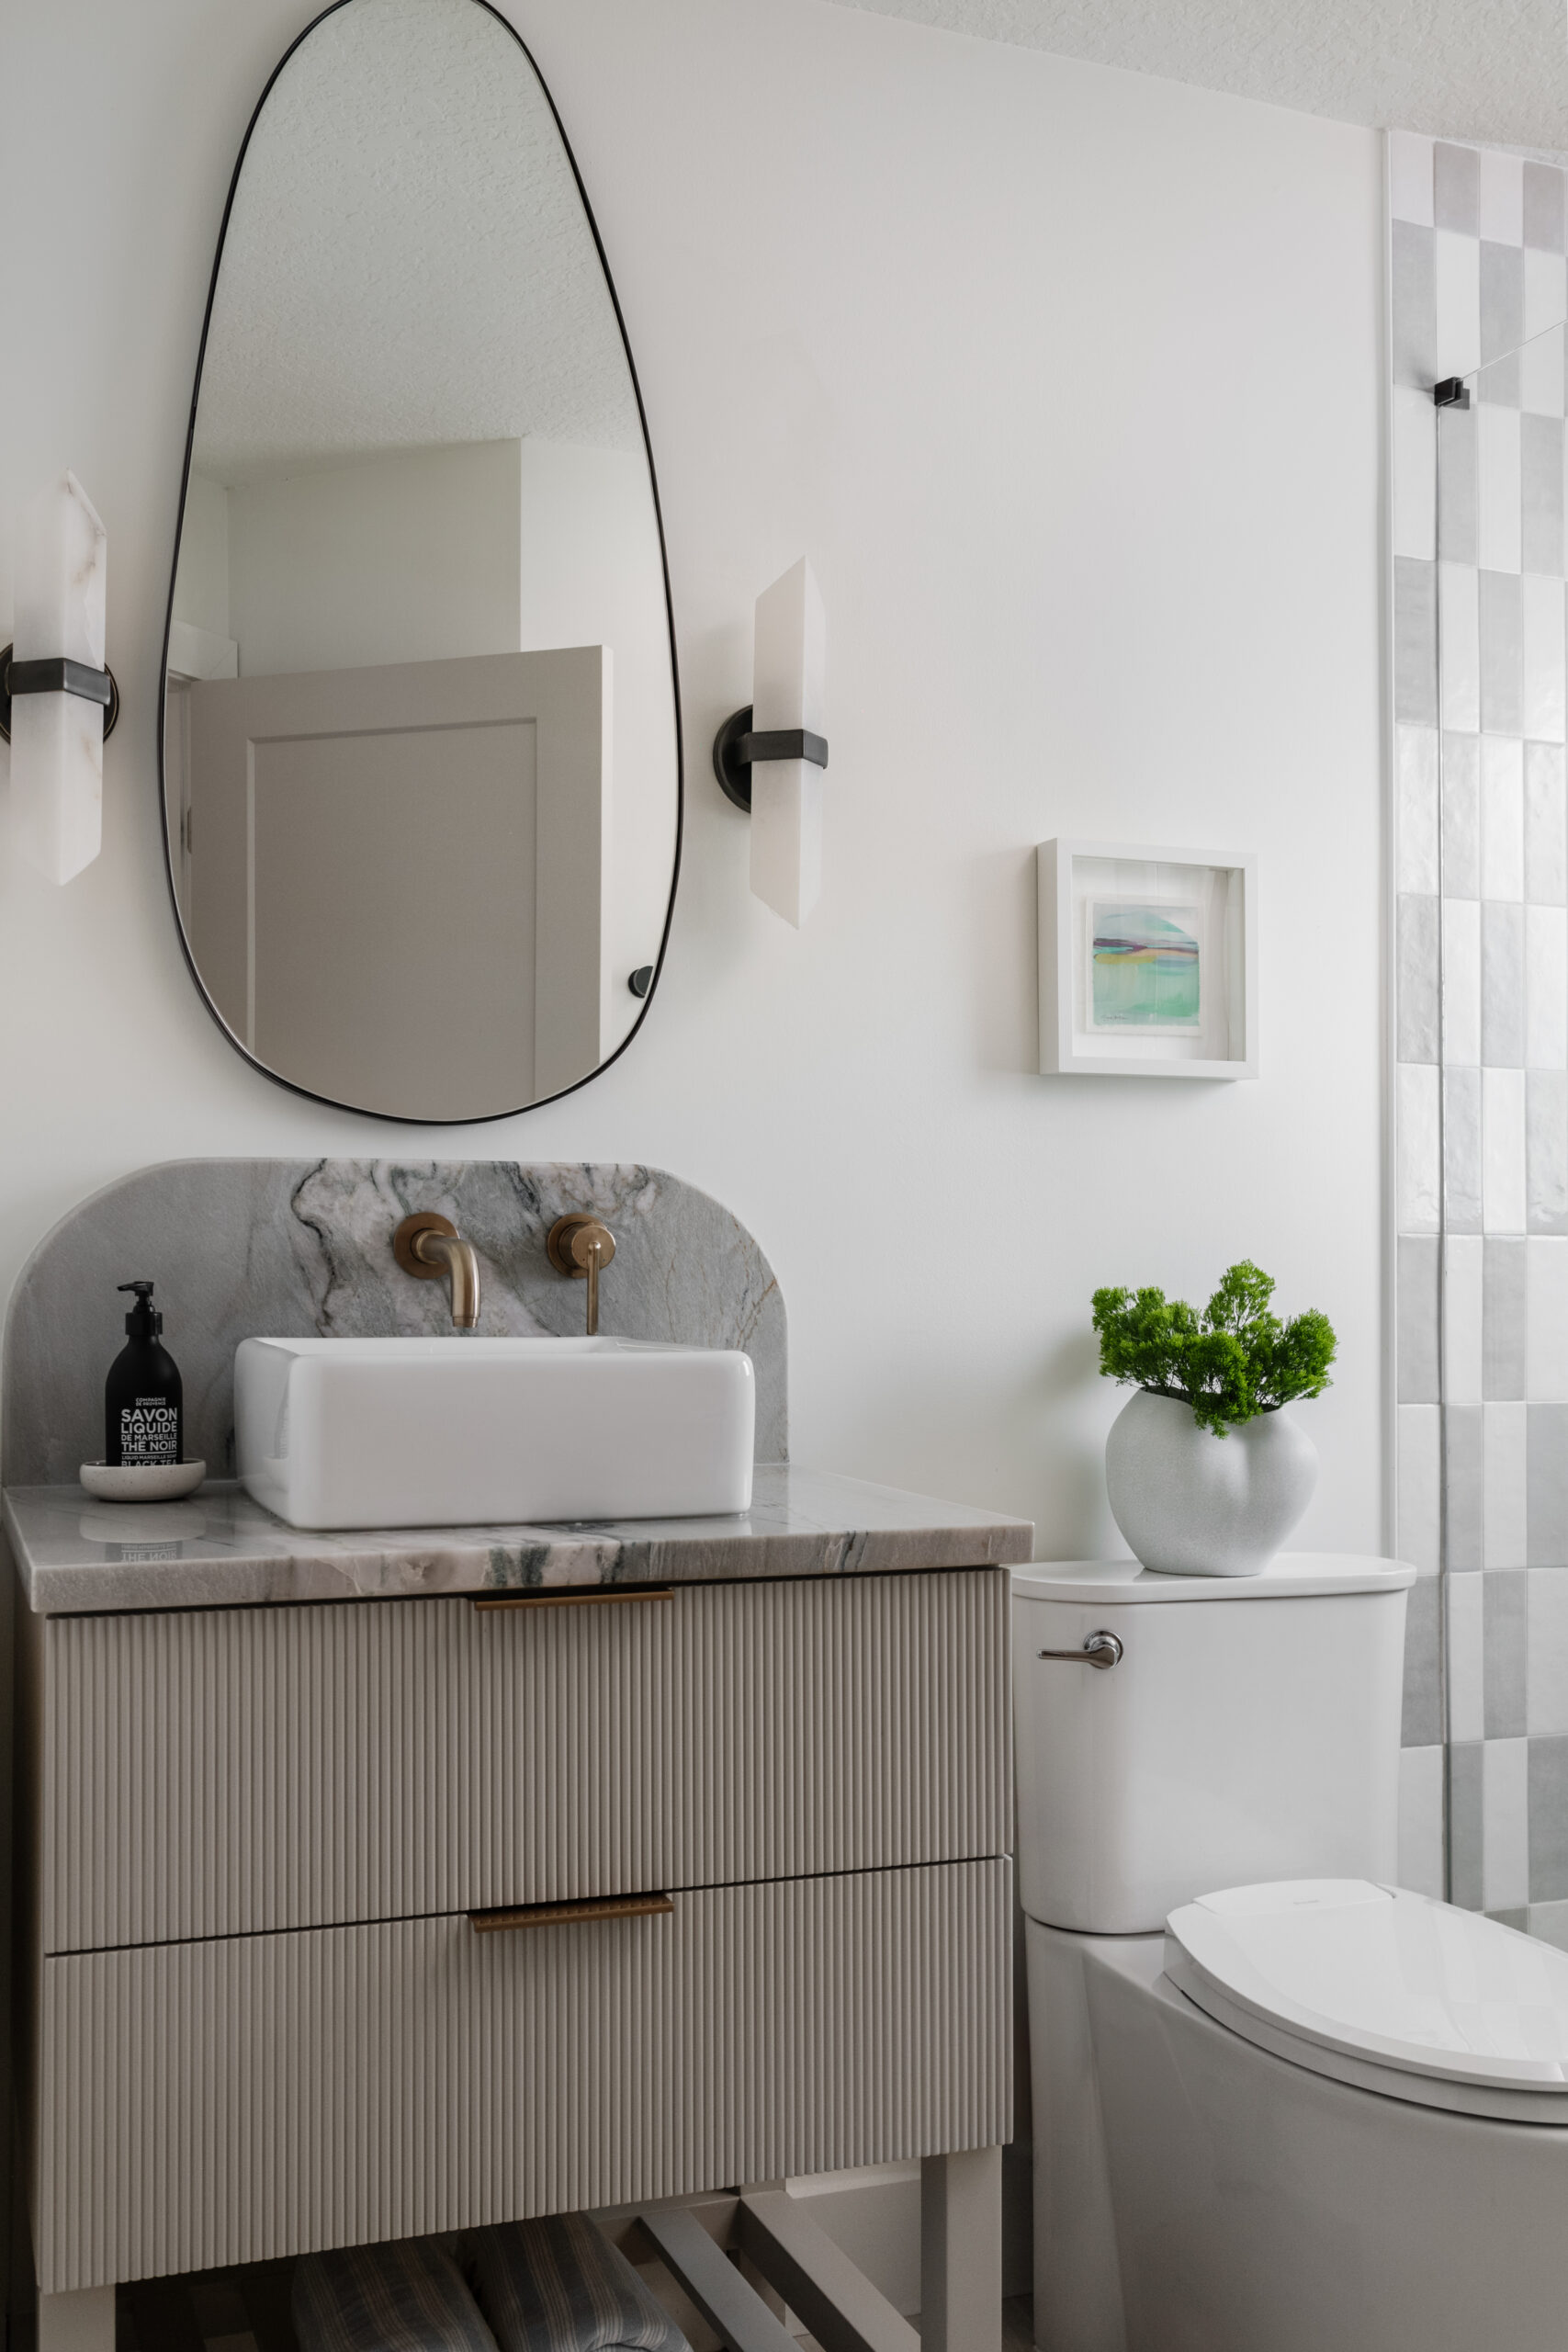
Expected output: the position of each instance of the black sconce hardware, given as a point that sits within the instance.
(641, 980)
(735, 747)
(1452, 392)
(56, 677)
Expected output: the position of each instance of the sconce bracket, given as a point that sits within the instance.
(735, 747)
(56, 677)
(1452, 392)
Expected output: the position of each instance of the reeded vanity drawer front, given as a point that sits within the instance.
(205, 2104)
(225, 1771)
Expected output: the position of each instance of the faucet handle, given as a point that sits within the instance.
(579, 1245)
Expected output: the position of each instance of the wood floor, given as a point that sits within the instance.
(247, 2311)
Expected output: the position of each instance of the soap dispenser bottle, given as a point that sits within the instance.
(143, 1401)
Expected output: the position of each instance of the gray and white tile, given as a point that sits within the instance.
(1500, 204)
(1547, 1471)
(1507, 1820)
(1542, 207)
(1546, 1336)
(1504, 1354)
(1421, 1819)
(1541, 704)
(1465, 1823)
(1547, 1820)
(1418, 1467)
(1415, 641)
(1415, 810)
(1502, 983)
(1410, 177)
(1501, 649)
(1505, 1484)
(1419, 1147)
(1545, 826)
(1505, 1634)
(1502, 818)
(1460, 815)
(1546, 1149)
(1546, 988)
(1461, 1149)
(1498, 456)
(1456, 187)
(1422, 1720)
(1464, 1485)
(1541, 499)
(1546, 1665)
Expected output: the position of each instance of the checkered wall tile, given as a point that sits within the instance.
(1480, 290)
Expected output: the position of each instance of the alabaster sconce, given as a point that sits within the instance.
(58, 702)
(770, 757)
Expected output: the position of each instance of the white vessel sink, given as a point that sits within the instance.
(461, 1432)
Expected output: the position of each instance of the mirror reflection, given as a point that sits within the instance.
(421, 764)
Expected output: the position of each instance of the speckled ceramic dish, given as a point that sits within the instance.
(143, 1482)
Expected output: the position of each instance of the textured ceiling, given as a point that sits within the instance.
(1491, 70)
(408, 260)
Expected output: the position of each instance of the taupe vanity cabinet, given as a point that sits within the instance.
(354, 1919)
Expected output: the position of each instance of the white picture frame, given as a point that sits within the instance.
(1148, 961)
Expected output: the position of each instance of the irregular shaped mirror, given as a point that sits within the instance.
(420, 754)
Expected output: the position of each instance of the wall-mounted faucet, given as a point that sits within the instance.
(579, 1246)
(431, 1248)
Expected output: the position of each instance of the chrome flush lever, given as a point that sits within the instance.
(1102, 1650)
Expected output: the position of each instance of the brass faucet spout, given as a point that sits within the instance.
(431, 1247)
(456, 1258)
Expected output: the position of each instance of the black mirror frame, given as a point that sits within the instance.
(647, 992)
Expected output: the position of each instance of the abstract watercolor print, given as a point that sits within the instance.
(1145, 966)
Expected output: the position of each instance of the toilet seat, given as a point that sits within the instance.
(1385, 1989)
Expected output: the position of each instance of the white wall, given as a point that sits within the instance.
(201, 589)
(590, 576)
(410, 557)
(1069, 381)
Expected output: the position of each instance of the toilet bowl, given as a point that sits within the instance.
(1289, 2107)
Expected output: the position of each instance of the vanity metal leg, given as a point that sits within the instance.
(79, 2321)
(960, 2252)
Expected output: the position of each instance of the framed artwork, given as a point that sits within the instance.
(1148, 961)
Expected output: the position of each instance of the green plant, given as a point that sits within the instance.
(1231, 1363)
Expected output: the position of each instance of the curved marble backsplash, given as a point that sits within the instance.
(243, 1247)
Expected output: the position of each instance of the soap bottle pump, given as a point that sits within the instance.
(143, 1399)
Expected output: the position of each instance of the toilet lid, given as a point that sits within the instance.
(1375, 1986)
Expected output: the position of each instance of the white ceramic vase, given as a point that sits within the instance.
(1191, 1504)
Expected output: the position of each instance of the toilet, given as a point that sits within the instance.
(1279, 2105)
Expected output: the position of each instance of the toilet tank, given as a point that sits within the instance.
(1249, 1731)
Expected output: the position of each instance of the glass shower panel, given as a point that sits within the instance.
(1498, 931)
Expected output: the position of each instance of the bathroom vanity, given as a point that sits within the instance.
(447, 1895)
(381, 1884)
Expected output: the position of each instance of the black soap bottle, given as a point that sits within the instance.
(143, 1401)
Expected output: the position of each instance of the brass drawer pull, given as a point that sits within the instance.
(573, 1600)
(558, 1914)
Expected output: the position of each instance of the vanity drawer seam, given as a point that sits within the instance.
(413, 1918)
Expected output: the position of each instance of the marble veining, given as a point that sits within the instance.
(221, 1550)
(243, 1248)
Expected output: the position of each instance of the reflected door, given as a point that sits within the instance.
(367, 849)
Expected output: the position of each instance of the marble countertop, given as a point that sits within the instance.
(221, 1550)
